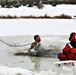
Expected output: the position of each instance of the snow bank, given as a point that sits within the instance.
(48, 9)
(4, 70)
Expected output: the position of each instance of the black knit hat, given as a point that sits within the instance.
(71, 35)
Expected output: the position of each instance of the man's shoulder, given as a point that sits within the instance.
(34, 43)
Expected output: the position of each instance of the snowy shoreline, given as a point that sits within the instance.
(48, 10)
(62, 16)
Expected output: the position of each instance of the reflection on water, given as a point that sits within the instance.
(36, 62)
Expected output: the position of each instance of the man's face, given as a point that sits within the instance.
(38, 39)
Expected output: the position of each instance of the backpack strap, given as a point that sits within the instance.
(70, 45)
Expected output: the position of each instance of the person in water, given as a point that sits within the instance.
(35, 45)
(69, 51)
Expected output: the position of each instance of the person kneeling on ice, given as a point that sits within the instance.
(69, 51)
(35, 45)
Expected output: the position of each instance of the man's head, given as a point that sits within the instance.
(72, 36)
(37, 38)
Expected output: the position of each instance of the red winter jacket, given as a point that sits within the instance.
(69, 49)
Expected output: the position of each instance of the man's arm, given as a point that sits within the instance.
(33, 45)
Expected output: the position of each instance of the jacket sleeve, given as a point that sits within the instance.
(73, 51)
(66, 49)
